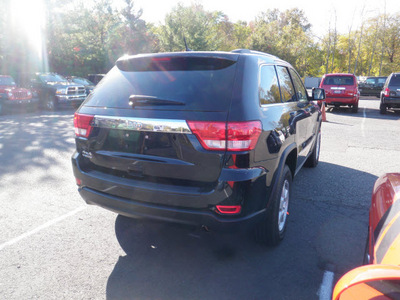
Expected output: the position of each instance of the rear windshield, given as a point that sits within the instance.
(339, 80)
(395, 81)
(199, 83)
(52, 78)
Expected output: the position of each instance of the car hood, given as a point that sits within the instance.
(11, 88)
(61, 84)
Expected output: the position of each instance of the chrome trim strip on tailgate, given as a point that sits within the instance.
(141, 124)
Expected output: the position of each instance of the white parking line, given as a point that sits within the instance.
(325, 290)
(363, 121)
(41, 227)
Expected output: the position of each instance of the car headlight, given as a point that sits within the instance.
(61, 91)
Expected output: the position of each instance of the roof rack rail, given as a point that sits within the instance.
(254, 52)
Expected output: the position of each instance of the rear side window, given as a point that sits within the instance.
(201, 83)
(395, 80)
(339, 80)
(300, 89)
(268, 90)
(287, 89)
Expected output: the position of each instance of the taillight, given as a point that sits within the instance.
(232, 136)
(228, 209)
(386, 93)
(83, 124)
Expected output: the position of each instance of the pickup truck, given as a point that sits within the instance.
(55, 91)
(372, 86)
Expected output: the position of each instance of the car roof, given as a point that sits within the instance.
(339, 74)
(234, 55)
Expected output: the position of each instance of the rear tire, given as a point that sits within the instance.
(271, 230)
(382, 109)
(355, 108)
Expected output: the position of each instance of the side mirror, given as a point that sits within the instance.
(318, 94)
(369, 282)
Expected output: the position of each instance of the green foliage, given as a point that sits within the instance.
(192, 23)
(287, 35)
(88, 36)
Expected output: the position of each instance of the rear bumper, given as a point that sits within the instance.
(391, 101)
(341, 100)
(135, 209)
(161, 202)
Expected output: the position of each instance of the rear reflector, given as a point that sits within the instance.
(78, 181)
(83, 124)
(229, 209)
(232, 136)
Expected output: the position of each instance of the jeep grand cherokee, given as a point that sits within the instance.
(201, 138)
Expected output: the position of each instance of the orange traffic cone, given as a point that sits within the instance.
(323, 112)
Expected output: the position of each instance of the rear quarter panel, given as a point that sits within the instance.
(384, 230)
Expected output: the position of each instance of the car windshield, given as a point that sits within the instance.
(83, 81)
(339, 80)
(370, 81)
(7, 81)
(52, 78)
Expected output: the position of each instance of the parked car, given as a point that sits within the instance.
(372, 86)
(96, 78)
(89, 86)
(381, 277)
(15, 98)
(54, 90)
(312, 82)
(341, 90)
(200, 138)
(390, 94)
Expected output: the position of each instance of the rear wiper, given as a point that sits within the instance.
(136, 100)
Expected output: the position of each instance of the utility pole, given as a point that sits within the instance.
(383, 39)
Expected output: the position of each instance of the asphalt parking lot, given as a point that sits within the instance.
(54, 246)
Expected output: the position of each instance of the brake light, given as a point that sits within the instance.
(232, 136)
(83, 124)
(228, 209)
(156, 59)
(387, 92)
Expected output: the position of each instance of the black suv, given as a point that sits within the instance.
(390, 95)
(200, 138)
(54, 90)
(372, 86)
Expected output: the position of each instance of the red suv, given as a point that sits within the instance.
(341, 90)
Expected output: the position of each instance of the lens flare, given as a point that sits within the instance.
(28, 18)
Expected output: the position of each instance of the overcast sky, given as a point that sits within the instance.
(319, 13)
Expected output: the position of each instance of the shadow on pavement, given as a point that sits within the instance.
(167, 261)
(27, 140)
(370, 113)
